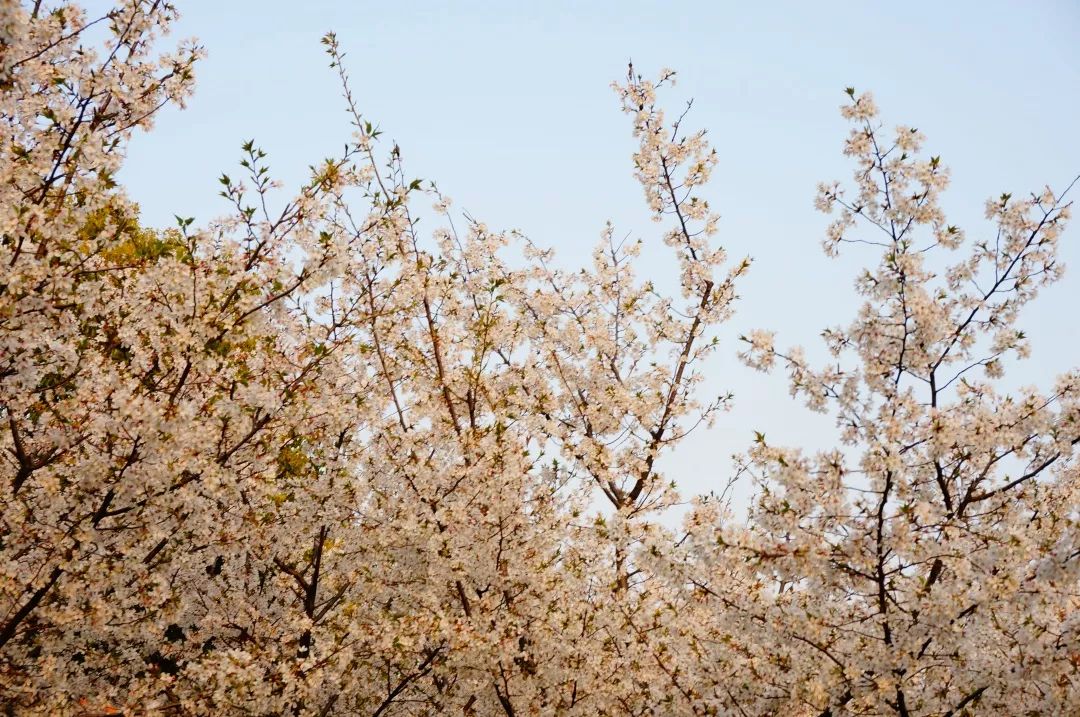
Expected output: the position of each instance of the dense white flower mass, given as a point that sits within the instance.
(315, 460)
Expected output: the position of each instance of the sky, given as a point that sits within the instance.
(508, 107)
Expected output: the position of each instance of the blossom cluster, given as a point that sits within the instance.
(312, 458)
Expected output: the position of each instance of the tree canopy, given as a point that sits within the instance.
(316, 457)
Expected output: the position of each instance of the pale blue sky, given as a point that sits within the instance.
(507, 106)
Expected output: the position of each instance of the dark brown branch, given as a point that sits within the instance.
(12, 625)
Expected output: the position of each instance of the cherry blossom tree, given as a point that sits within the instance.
(315, 457)
(307, 458)
(928, 564)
